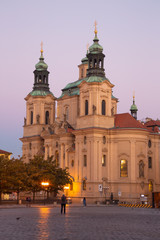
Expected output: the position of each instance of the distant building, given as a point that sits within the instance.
(109, 155)
(5, 153)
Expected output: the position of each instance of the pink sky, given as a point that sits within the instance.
(128, 30)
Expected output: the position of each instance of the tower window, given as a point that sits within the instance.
(149, 162)
(86, 107)
(95, 63)
(31, 117)
(123, 168)
(103, 160)
(40, 78)
(103, 107)
(82, 73)
(85, 139)
(47, 118)
(90, 64)
(67, 112)
(85, 160)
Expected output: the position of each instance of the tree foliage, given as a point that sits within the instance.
(17, 176)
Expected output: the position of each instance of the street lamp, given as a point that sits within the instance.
(45, 185)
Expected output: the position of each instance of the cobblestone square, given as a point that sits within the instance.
(79, 223)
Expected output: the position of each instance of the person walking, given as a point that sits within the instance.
(63, 204)
(84, 202)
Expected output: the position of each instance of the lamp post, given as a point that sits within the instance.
(45, 185)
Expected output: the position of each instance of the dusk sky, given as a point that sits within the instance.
(128, 30)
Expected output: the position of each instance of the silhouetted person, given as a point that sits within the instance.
(84, 202)
(63, 203)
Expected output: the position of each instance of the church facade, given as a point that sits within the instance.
(109, 155)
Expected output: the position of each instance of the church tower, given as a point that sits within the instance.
(134, 109)
(97, 105)
(40, 111)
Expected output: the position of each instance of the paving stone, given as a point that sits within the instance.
(90, 223)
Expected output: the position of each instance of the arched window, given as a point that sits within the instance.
(84, 184)
(90, 64)
(44, 79)
(150, 186)
(31, 117)
(86, 107)
(85, 160)
(67, 113)
(141, 169)
(123, 168)
(149, 162)
(149, 143)
(104, 139)
(85, 139)
(95, 63)
(82, 73)
(103, 160)
(72, 163)
(40, 78)
(47, 118)
(103, 107)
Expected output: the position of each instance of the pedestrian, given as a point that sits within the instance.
(63, 204)
(29, 202)
(84, 202)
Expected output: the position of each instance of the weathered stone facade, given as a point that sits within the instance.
(108, 154)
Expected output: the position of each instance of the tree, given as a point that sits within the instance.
(40, 170)
(3, 175)
(35, 172)
(16, 176)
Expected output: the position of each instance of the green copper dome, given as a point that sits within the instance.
(134, 107)
(41, 65)
(95, 47)
(40, 93)
(84, 60)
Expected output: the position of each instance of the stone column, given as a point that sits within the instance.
(42, 115)
(61, 156)
(99, 154)
(34, 113)
(132, 172)
(76, 160)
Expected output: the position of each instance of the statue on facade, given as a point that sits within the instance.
(141, 169)
(24, 121)
(38, 117)
(94, 109)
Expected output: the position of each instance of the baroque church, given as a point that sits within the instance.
(108, 155)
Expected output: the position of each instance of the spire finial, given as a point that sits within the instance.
(133, 95)
(41, 47)
(95, 24)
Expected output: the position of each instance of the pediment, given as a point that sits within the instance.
(141, 155)
(104, 150)
(84, 150)
(149, 152)
(123, 155)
